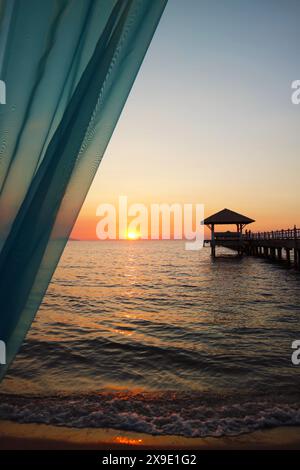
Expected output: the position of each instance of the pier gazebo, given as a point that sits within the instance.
(229, 239)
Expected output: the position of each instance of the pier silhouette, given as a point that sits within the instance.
(277, 245)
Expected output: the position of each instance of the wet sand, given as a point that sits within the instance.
(41, 436)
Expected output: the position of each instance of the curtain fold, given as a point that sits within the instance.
(68, 66)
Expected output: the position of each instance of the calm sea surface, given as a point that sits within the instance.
(146, 336)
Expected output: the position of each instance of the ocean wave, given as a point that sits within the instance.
(156, 413)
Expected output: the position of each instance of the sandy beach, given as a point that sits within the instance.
(41, 436)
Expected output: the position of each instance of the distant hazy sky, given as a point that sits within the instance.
(210, 118)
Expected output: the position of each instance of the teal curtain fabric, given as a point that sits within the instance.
(68, 66)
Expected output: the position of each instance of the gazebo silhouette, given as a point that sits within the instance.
(229, 239)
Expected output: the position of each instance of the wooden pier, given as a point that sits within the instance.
(278, 245)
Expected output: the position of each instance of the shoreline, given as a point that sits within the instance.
(17, 436)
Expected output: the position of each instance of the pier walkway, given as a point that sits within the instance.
(278, 245)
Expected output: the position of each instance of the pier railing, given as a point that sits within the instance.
(288, 234)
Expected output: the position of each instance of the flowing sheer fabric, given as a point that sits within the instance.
(68, 66)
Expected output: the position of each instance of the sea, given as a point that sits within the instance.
(147, 336)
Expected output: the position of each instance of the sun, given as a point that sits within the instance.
(133, 235)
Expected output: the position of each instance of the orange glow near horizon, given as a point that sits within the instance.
(133, 235)
(265, 220)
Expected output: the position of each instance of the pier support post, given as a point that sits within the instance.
(279, 253)
(213, 250)
(213, 243)
(288, 256)
(296, 257)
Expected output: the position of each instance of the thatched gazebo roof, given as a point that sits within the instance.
(226, 216)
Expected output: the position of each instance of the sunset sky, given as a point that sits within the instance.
(210, 118)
